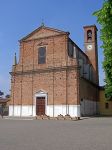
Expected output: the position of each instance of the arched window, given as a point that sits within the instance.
(89, 35)
(42, 55)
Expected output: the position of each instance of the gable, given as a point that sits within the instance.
(43, 32)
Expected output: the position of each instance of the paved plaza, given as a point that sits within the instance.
(86, 134)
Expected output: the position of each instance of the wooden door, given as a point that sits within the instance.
(40, 106)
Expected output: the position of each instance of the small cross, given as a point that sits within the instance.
(42, 24)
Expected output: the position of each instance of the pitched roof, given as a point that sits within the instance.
(43, 27)
(94, 26)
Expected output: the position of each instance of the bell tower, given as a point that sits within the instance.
(91, 49)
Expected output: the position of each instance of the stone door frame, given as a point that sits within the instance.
(41, 93)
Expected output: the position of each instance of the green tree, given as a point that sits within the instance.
(1, 94)
(104, 18)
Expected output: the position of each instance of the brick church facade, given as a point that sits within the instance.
(54, 76)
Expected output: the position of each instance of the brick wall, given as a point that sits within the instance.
(54, 77)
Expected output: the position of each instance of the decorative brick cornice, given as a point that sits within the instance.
(50, 69)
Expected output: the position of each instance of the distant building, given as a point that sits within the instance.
(4, 106)
(105, 107)
(54, 76)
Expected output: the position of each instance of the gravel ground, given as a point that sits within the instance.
(85, 134)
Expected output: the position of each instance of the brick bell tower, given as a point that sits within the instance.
(91, 49)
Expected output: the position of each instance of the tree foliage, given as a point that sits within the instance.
(7, 96)
(104, 18)
(1, 93)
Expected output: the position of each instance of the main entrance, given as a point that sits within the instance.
(40, 105)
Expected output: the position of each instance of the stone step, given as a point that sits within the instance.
(68, 117)
(60, 117)
(53, 118)
(19, 118)
(42, 117)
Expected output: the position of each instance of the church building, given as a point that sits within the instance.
(54, 76)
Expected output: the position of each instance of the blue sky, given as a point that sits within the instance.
(20, 17)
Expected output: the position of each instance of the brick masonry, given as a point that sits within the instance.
(59, 76)
(52, 81)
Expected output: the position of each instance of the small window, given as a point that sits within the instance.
(42, 55)
(70, 49)
(89, 35)
(106, 105)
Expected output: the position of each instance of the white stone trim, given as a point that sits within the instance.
(26, 110)
(74, 110)
(87, 108)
